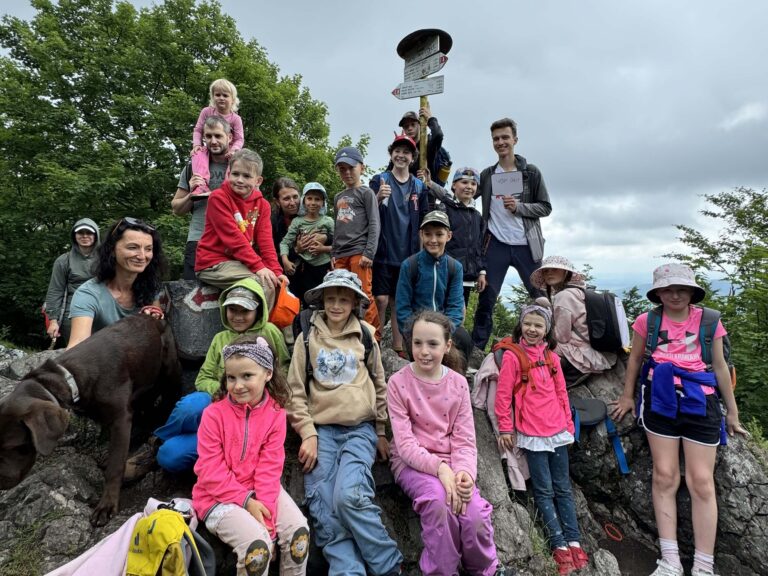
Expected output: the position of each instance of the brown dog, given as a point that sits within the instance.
(115, 371)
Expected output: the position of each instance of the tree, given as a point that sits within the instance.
(634, 303)
(97, 104)
(738, 254)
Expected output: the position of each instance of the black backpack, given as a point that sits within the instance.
(302, 324)
(607, 326)
(442, 163)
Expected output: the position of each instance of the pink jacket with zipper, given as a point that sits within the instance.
(542, 407)
(241, 454)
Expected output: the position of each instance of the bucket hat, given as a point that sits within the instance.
(558, 263)
(675, 275)
(337, 279)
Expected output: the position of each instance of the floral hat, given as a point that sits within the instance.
(675, 275)
(559, 263)
(337, 279)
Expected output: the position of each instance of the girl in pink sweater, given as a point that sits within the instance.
(241, 446)
(534, 414)
(224, 102)
(433, 452)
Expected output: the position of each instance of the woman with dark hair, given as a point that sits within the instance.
(128, 277)
(285, 207)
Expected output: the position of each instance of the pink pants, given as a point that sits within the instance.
(251, 542)
(450, 540)
(200, 165)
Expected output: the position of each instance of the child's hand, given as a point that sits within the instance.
(195, 149)
(448, 480)
(506, 441)
(258, 511)
(284, 278)
(385, 190)
(382, 448)
(733, 425)
(465, 487)
(424, 175)
(288, 266)
(308, 453)
(622, 406)
(228, 154)
(425, 111)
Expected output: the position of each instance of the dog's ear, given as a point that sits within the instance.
(47, 422)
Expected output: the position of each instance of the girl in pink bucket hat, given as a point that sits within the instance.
(565, 287)
(679, 402)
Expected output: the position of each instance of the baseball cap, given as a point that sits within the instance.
(466, 172)
(242, 297)
(401, 139)
(348, 155)
(408, 117)
(436, 217)
(87, 227)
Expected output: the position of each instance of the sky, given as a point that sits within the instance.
(632, 110)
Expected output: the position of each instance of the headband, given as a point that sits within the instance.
(546, 313)
(258, 351)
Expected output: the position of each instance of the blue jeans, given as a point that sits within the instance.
(552, 494)
(498, 258)
(340, 492)
(179, 434)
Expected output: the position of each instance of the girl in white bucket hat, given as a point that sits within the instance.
(679, 402)
(565, 286)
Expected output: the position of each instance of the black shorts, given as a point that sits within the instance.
(700, 429)
(385, 279)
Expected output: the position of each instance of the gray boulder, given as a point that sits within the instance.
(193, 311)
(23, 365)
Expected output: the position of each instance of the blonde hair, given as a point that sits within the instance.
(225, 86)
(248, 157)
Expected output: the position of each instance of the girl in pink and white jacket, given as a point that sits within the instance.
(241, 454)
(535, 415)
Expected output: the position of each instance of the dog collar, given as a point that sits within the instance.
(72, 384)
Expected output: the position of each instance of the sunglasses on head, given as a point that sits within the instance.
(129, 222)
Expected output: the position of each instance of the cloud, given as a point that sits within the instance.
(751, 113)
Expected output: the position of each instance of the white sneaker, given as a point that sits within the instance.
(664, 568)
(700, 572)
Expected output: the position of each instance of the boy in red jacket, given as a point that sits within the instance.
(237, 239)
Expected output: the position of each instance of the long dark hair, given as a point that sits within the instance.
(280, 183)
(558, 287)
(277, 386)
(517, 333)
(149, 282)
(454, 358)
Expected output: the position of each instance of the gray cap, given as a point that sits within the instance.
(436, 217)
(349, 155)
(242, 297)
(337, 279)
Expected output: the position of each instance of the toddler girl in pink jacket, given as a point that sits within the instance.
(241, 453)
(534, 413)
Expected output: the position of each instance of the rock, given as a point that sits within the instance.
(6, 385)
(193, 311)
(22, 366)
(8, 355)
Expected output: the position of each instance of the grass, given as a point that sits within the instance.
(26, 555)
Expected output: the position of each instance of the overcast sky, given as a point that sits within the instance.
(630, 109)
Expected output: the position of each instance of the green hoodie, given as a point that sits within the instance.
(209, 377)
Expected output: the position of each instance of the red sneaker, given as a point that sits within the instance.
(564, 561)
(580, 558)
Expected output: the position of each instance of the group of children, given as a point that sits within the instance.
(337, 400)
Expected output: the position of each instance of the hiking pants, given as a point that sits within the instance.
(224, 274)
(251, 542)
(450, 540)
(178, 452)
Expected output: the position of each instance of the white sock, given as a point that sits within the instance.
(574, 544)
(703, 561)
(670, 552)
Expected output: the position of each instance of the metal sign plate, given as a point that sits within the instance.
(434, 85)
(424, 68)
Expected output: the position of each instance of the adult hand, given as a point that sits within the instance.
(53, 329)
(308, 453)
(621, 407)
(266, 275)
(195, 149)
(448, 480)
(424, 175)
(482, 282)
(382, 448)
(196, 181)
(316, 247)
(425, 111)
(510, 203)
(506, 441)
(365, 262)
(385, 190)
(258, 510)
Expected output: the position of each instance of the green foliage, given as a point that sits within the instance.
(635, 303)
(97, 104)
(739, 255)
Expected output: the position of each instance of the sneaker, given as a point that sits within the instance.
(199, 193)
(664, 568)
(580, 558)
(702, 572)
(141, 463)
(564, 561)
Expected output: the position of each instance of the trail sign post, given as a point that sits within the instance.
(424, 52)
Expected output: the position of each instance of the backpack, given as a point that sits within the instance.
(607, 325)
(162, 543)
(413, 269)
(441, 167)
(302, 324)
(707, 328)
(588, 413)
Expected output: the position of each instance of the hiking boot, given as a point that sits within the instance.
(664, 568)
(580, 558)
(564, 561)
(702, 572)
(141, 463)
